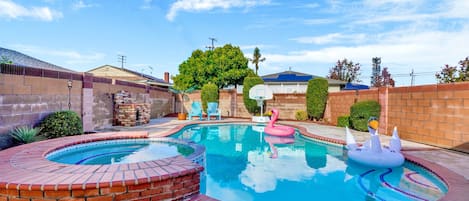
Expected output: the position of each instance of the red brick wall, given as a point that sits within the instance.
(174, 188)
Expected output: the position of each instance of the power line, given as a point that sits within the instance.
(415, 74)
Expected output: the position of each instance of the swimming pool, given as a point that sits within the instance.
(243, 163)
(120, 151)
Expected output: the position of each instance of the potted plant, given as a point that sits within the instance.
(183, 93)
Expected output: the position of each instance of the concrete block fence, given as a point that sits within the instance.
(29, 94)
(431, 114)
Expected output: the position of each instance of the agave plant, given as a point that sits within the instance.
(25, 134)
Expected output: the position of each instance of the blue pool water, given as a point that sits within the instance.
(241, 164)
(119, 151)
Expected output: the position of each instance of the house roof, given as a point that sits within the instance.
(350, 86)
(149, 78)
(293, 76)
(21, 59)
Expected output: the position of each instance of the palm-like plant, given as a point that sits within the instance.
(25, 134)
(256, 58)
(183, 93)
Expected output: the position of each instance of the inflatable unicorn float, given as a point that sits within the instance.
(371, 153)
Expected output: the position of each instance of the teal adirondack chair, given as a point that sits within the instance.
(212, 110)
(196, 110)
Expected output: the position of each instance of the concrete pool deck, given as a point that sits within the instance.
(451, 165)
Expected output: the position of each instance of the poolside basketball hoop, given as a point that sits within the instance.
(260, 93)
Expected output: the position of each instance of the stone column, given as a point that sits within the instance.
(383, 117)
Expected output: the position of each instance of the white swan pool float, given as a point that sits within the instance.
(373, 154)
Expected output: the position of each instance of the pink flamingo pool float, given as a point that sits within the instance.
(273, 140)
(274, 130)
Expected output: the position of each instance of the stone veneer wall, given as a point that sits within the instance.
(132, 114)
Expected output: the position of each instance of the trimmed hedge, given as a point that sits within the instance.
(360, 112)
(316, 97)
(301, 115)
(248, 83)
(60, 124)
(209, 94)
(343, 121)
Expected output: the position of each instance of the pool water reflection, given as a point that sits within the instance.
(243, 163)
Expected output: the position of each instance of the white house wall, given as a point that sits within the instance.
(289, 88)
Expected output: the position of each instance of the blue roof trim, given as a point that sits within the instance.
(350, 86)
(289, 78)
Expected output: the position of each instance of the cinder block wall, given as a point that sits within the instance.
(339, 103)
(430, 114)
(25, 100)
(28, 94)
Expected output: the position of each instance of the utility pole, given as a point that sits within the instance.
(212, 47)
(121, 59)
(412, 77)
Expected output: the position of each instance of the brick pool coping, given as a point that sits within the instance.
(457, 184)
(26, 173)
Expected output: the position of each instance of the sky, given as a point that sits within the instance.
(307, 36)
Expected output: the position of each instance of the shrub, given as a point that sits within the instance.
(209, 94)
(316, 97)
(248, 83)
(24, 134)
(61, 123)
(343, 121)
(301, 115)
(360, 112)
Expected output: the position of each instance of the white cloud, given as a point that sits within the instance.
(146, 4)
(318, 21)
(374, 3)
(206, 5)
(331, 38)
(81, 4)
(70, 57)
(397, 18)
(425, 50)
(251, 47)
(11, 10)
(309, 5)
(456, 9)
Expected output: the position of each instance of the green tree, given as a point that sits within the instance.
(248, 83)
(5, 60)
(450, 74)
(316, 97)
(223, 66)
(209, 94)
(346, 71)
(256, 58)
(384, 79)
